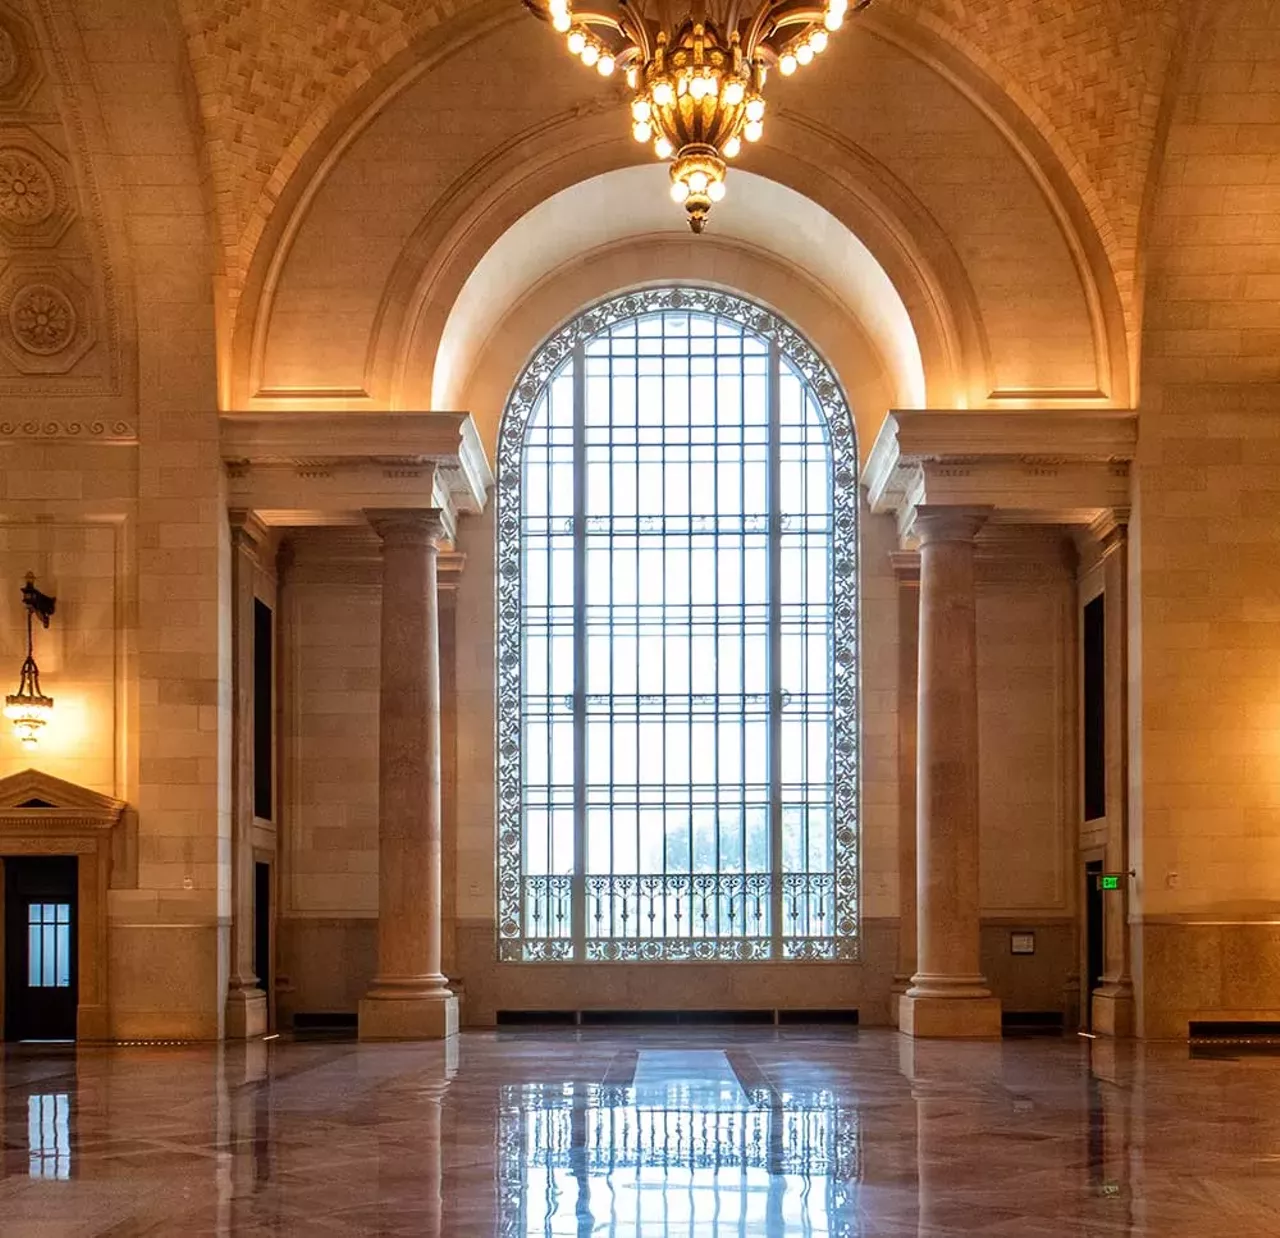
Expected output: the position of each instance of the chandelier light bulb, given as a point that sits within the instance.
(833, 20)
(576, 42)
(755, 109)
(732, 148)
(787, 65)
(715, 191)
(698, 182)
(663, 149)
(631, 76)
(641, 109)
(734, 92)
(754, 130)
(818, 41)
(641, 131)
(561, 20)
(605, 65)
(663, 95)
(590, 54)
(698, 87)
(804, 53)
(679, 191)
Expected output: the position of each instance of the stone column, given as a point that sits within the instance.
(1112, 1001)
(906, 566)
(450, 575)
(246, 1009)
(409, 998)
(948, 994)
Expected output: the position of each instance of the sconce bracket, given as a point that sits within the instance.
(39, 604)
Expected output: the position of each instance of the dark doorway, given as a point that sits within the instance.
(41, 982)
(262, 927)
(1095, 709)
(1094, 954)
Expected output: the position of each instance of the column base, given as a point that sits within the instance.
(970, 1018)
(409, 1018)
(1112, 1009)
(901, 983)
(246, 1014)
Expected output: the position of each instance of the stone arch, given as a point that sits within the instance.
(958, 293)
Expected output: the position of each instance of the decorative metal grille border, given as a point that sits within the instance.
(543, 366)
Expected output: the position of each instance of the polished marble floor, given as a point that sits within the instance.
(713, 1132)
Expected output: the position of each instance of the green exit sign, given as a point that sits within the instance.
(1109, 881)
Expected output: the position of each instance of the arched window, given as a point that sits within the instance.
(677, 641)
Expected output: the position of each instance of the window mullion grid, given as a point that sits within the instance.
(744, 520)
(774, 577)
(640, 796)
(578, 908)
(692, 621)
(714, 436)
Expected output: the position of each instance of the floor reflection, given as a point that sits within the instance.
(49, 1135)
(683, 1149)
(688, 1133)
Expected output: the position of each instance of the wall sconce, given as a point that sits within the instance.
(28, 708)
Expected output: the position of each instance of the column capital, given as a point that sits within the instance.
(948, 524)
(407, 526)
(248, 531)
(1111, 529)
(906, 566)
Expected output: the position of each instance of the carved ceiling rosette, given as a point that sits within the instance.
(19, 64)
(35, 205)
(45, 322)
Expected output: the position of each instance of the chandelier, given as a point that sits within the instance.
(696, 71)
(28, 708)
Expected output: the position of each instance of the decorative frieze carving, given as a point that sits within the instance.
(45, 428)
(26, 188)
(45, 325)
(43, 319)
(35, 205)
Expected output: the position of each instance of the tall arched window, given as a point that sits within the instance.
(677, 641)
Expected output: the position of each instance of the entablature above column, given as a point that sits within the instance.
(327, 468)
(1033, 466)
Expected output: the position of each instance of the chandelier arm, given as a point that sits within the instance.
(586, 17)
(636, 30)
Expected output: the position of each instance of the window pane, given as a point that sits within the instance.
(699, 744)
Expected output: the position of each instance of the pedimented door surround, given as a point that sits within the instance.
(42, 815)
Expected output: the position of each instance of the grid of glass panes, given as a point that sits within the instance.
(676, 728)
(48, 945)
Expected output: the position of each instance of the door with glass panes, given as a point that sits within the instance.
(40, 947)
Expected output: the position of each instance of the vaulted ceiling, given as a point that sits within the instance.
(1088, 74)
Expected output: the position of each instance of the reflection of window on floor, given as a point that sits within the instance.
(49, 1135)
(49, 945)
(677, 636)
(569, 1152)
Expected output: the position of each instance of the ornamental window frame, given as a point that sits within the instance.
(843, 943)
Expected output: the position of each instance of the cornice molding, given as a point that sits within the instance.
(1034, 466)
(321, 468)
(62, 806)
